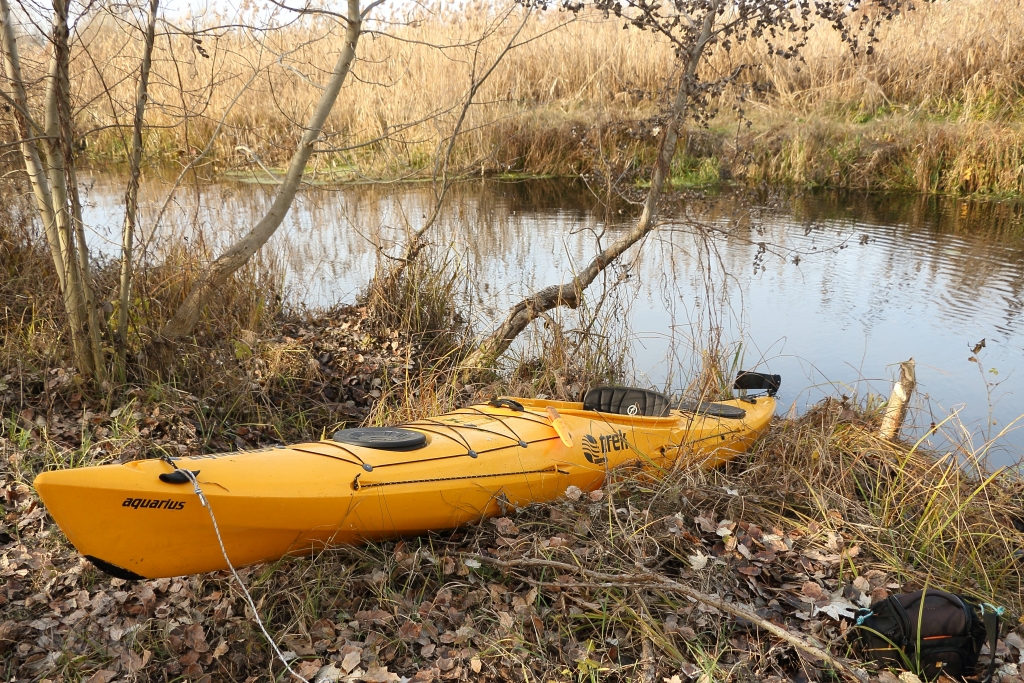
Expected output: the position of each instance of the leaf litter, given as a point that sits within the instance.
(508, 599)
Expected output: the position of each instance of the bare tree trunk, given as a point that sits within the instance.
(571, 293)
(53, 184)
(92, 332)
(131, 195)
(79, 298)
(29, 129)
(899, 401)
(73, 299)
(185, 318)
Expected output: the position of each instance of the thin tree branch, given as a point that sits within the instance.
(23, 113)
(654, 580)
(206, 150)
(416, 243)
(131, 195)
(187, 315)
(571, 293)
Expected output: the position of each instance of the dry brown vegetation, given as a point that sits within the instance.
(820, 517)
(936, 107)
(577, 590)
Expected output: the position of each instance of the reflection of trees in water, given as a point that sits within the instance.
(947, 269)
(933, 212)
(965, 257)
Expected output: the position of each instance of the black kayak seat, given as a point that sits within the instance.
(627, 401)
(713, 410)
(382, 438)
(758, 381)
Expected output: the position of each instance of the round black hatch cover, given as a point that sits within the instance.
(383, 438)
(714, 410)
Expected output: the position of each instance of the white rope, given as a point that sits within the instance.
(238, 579)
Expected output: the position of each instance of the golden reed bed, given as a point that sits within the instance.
(947, 75)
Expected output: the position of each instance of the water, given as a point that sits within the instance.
(830, 291)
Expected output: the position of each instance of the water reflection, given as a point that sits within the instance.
(828, 289)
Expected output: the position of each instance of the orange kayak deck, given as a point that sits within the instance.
(473, 463)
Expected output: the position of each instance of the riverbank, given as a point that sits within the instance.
(819, 518)
(893, 152)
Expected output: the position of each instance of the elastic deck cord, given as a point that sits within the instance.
(238, 579)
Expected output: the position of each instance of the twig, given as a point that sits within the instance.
(649, 666)
(659, 581)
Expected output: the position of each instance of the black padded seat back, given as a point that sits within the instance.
(758, 381)
(627, 401)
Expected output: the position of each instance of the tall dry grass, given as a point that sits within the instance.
(960, 59)
(409, 82)
(950, 70)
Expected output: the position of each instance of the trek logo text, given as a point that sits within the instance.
(595, 449)
(152, 504)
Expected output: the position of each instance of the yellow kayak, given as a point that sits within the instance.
(144, 519)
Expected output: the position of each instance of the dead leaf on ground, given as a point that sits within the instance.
(308, 670)
(811, 591)
(221, 649)
(351, 660)
(379, 674)
(706, 522)
(410, 630)
(558, 542)
(195, 638)
(328, 674)
(102, 676)
(505, 526)
(699, 561)
(376, 616)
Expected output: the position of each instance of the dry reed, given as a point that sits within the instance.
(936, 107)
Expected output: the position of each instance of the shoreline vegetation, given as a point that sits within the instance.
(573, 590)
(829, 516)
(821, 517)
(935, 108)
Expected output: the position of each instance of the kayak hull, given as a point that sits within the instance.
(477, 462)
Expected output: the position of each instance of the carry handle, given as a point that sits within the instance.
(177, 476)
(509, 403)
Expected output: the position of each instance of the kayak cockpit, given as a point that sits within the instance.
(627, 401)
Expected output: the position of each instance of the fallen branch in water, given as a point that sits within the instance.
(661, 582)
(570, 294)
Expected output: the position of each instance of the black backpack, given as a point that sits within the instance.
(931, 632)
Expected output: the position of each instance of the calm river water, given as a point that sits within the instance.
(830, 291)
